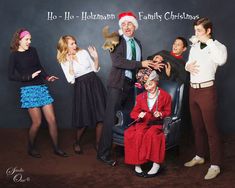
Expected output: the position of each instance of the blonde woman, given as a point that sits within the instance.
(89, 93)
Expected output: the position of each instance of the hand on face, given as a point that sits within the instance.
(158, 58)
(158, 65)
(147, 64)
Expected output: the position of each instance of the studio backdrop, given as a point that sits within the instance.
(160, 22)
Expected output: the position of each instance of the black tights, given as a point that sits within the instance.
(80, 132)
(36, 116)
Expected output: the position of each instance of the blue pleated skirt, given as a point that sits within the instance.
(35, 96)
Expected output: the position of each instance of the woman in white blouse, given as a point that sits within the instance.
(89, 93)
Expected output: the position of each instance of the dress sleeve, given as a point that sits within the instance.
(68, 74)
(218, 53)
(91, 62)
(43, 72)
(137, 108)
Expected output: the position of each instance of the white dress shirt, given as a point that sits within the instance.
(83, 65)
(128, 73)
(208, 59)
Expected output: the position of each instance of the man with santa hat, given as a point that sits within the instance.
(126, 60)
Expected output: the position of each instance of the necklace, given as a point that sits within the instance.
(154, 95)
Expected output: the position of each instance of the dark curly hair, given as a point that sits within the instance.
(15, 40)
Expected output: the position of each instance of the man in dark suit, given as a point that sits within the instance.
(126, 59)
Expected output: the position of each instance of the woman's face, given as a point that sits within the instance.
(24, 43)
(72, 46)
(150, 86)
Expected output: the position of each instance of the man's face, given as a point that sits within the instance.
(201, 32)
(178, 47)
(128, 28)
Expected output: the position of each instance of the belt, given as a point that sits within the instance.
(202, 85)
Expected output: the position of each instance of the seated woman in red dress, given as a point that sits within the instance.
(145, 141)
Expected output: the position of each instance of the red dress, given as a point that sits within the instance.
(144, 142)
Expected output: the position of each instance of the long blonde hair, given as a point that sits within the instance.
(62, 47)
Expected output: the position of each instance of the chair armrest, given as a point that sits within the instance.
(119, 116)
(166, 124)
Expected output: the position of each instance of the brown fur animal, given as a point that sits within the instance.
(111, 39)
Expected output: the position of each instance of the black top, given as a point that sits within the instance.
(23, 64)
(120, 64)
(178, 73)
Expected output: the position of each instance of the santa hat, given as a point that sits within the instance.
(127, 16)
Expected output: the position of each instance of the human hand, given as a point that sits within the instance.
(157, 114)
(52, 78)
(158, 66)
(141, 115)
(192, 68)
(194, 39)
(93, 52)
(148, 64)
(36, 73)
(168, 69)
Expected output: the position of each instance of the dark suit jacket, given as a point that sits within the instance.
(120, 64)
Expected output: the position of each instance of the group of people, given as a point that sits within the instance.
(94, 107)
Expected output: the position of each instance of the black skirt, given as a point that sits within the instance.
(89, 101)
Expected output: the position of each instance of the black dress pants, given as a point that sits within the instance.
(117, 99)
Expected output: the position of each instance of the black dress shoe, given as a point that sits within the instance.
(79, 152)
(60, 153)
(150, 175)
(140, 174)
(34, 153)
(107, 160)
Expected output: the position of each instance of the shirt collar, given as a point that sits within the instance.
(127, 38)
(176, 56)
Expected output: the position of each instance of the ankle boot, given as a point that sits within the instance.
(32, 151)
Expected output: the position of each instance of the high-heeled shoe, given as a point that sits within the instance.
(34, 153)
(75, 146)
(60, 153)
